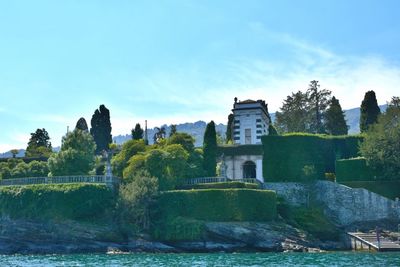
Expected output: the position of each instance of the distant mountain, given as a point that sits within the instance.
(21, 153)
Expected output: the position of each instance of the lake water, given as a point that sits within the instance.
(218, 259)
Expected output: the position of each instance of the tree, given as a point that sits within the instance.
(136, 200)
(82, 125)
(129, 149)
(159, 135)
(369, 111)
(39, 144)
(229, 129)
(14, 152)
(318, 101)
(184, 139)
(293, 115)
(335, 123)
(210, 150)
(76, 157)
(173, 130)
(101, 129)
(272, 130)
(137, 132)
(381, 146)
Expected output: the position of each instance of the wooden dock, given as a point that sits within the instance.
(369, 241)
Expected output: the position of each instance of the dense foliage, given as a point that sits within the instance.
(382, 142)
(39, 144)
(210, 150)
(101, 129)
(369, 111)
(137, 132)
(76, 156)
(229, 129)
(212, 205)
(81, 124)
(305, 157)
(61, 201)
(335, 123)
(120, 161)
(136, 201)
(17, 168)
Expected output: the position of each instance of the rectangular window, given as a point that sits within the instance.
(258, 120)
(258, 126)
(258, 137)
(236, 133)
(237, 121)
(236, 127)
(236, 138)
(259, 131)
(247, 135)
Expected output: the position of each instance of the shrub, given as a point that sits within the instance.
(180, 229)
(58, 201)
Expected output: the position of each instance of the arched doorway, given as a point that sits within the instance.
(249, 170)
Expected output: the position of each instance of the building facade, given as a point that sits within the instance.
(250, 121)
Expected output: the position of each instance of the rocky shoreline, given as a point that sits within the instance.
(34, 237)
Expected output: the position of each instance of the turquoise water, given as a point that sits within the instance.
(219, 259)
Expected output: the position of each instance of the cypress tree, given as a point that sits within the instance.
(210, 150)
(101, 129)
(369, 111)
(137, 132)
(335, 123)
(82, 125)
(229, 128)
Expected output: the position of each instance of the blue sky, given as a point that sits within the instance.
(183, 61)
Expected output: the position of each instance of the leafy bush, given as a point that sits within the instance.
(224, 185)
(305, 157)
(218, 204)
(61, 201)
(180, 229)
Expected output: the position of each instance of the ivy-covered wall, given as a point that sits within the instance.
(305, 157)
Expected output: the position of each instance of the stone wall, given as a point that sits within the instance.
(344, 205)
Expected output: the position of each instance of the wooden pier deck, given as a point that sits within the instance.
(368, 241)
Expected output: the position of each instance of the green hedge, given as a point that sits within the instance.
(223, 185)
(389, 189)
(305, 157)
(61, 201)
(180, 229)
(237, 150)
(355, 169)
(219, 204)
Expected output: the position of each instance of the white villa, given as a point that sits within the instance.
(251, 121)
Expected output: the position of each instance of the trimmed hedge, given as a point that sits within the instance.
(237, 150)
(223, 185)
(218, 204)
(305, 157)
(355, 169)
(180, 229)
(389, 189)
(56, 201)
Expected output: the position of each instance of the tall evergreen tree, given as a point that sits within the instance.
(369, 111)
(318, 101)
(39, 144)
(229, 129)
(101, 128)
(173, 130)
(335, 122)
(210, 150)
(82, 125)
(293, 115)
(137, 132)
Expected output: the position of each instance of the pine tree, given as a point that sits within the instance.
(210, 150)
(101, 129)
(173, 130)
(335, 123)
(82, 125)
(369, 111)
(229, 128)
(137, 132)
(318, 101)
(39, 144)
